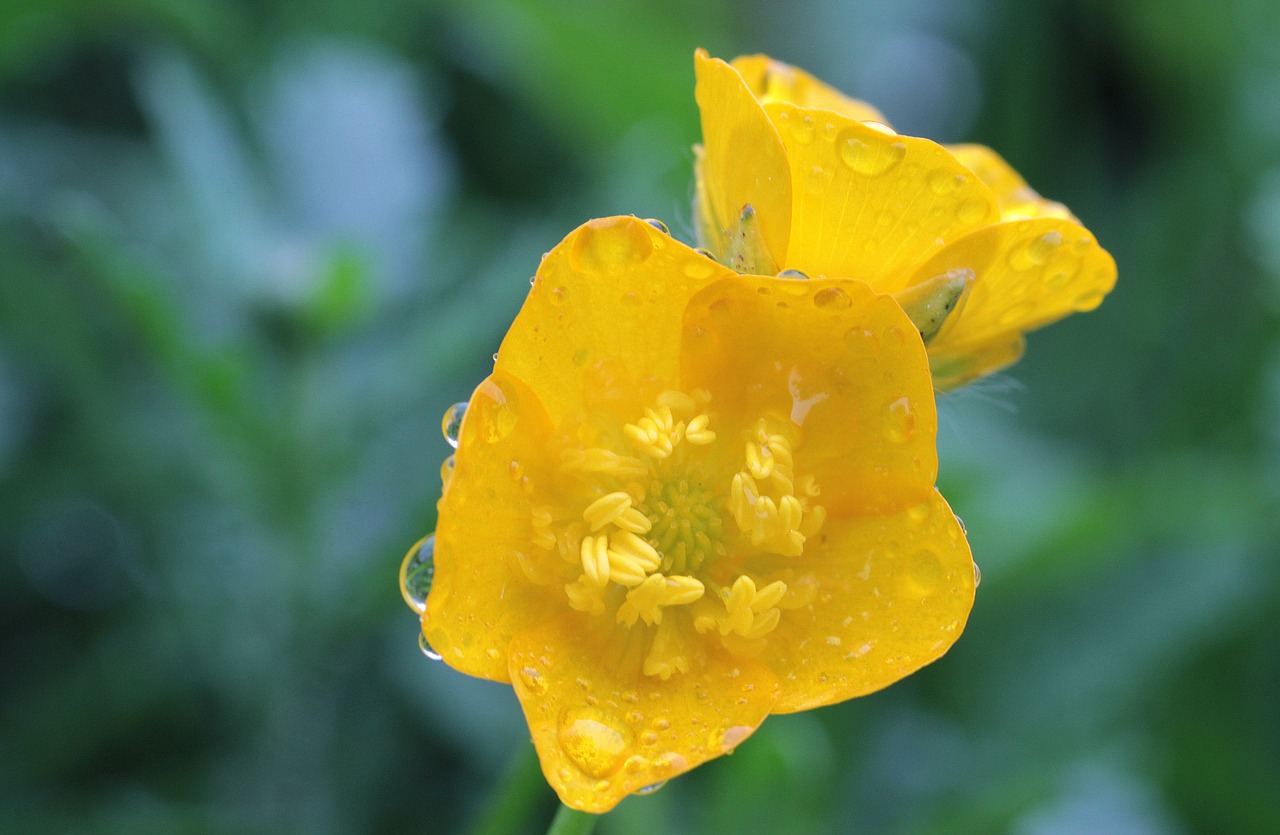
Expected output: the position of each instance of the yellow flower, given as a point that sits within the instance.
(687, 498)
(794, 176)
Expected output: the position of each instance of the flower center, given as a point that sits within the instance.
(665, 515)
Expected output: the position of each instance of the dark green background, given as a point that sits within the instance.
(250, 251)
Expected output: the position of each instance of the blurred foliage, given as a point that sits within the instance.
(250, 251)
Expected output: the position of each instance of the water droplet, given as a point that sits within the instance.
(960, 522)
(944, 181)
(869, 155)
(832, 298)
(446, 470)
(426, 648)
(533, 680)
(559, 294)
(880, 127)
(451, 423)
(606, 245)
(657, 224)
(918, 513)
(803, 129)
(417, 571)
(635, 764)
(669, 762)
(901, 421)
(971, 211)
(650, 789)
(593, 741)
(733, 737)
(706, 253)
(794, 274)
(977, 575)
(924, 571)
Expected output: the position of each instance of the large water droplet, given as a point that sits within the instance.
(832, 298)
(943, 181)
(446, 470)
(650, 789)
(533, 680)
(657, 224)
(451, 423)
(426, 648)
(803, 129)
(900, 421)
(607, 245)
(733, 737)
(794, 274)
(977, 575)
(417, 571)
(870, 156)
(593, 741)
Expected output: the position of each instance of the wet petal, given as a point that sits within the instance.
(842, 364)
(772, 80)
(1027, 273)
(481, 596)
(604, 730)
(742, 160)
(886, 595)
(604, 312)
(1016, 198)
(871, 204)
(952, 369)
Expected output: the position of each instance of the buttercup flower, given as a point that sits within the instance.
(793, 176)
(687, 498)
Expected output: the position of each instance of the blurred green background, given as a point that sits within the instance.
(250, 251)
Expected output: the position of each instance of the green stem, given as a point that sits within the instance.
(572, 822)
(516, 798)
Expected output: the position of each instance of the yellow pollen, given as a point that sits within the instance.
(763, 500)
(606, 508)
(655, 518)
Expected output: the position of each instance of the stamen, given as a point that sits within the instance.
(595, 559)
(605, 509)
(585, 596)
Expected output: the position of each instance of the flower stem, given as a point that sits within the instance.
(514, 801)
(572, 822)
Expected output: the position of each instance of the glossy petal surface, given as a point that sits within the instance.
(1016, 198)
(609, 298)
(848, 384)
(771, 80)
(671, 473)
(604, 730)
(732, 120)
(1027, 274)
(894, 211)
(890, 595)
(868, 204)
(480, 598)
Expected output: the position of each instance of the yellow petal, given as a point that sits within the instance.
(893, 594)
(842, 365)
(772, 80)
(952, 369)
(1027, 273)
(870, 204)
(481, 595)
(603, 729)
(742, 161)
(1016, 198)
(604, 315)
